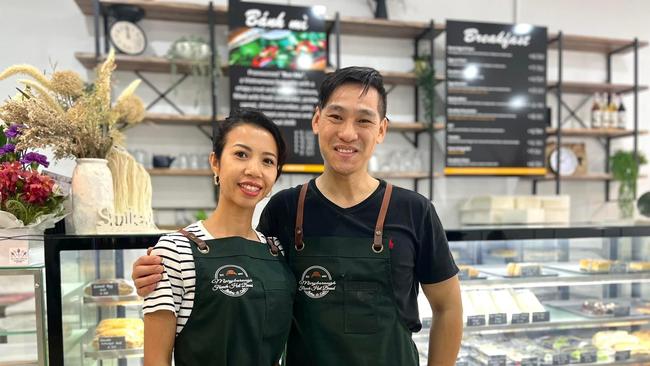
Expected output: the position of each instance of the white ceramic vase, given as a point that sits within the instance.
(92, 192)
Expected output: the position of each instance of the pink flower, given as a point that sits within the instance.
(10, 175)
(37, 188)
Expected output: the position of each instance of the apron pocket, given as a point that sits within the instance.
(279, 307)
(360, 312)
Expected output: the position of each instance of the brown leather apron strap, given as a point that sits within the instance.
(200, 243)
(377, 243)
(298, 243)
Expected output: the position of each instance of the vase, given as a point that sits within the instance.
(92, 193)
(626, 199)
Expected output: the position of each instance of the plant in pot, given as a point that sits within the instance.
(78, 121)
(196, 52)
(426, 82)
(625, 169)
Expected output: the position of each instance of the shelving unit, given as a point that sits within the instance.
(407, 30)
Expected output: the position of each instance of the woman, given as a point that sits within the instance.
(226, 293)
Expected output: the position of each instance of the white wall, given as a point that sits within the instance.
(42, 31)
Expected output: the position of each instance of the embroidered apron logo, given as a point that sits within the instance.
(316, 282)
(232, 281)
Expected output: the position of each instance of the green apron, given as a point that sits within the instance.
(242, 305)
(345, 310)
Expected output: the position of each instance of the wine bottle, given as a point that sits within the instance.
(596, 114)
(621, 115)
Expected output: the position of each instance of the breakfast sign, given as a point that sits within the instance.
(496, 99)
(276, 62)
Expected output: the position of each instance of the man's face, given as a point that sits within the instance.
(348, 128)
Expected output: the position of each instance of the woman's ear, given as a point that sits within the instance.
(214, 163)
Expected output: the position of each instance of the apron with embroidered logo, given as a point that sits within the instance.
(242, 304)
(345, 309)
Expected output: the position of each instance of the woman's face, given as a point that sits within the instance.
(248, 166)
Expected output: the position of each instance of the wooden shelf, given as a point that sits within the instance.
(401, 175)
(590, 177)
(166, 172)
(165, 10)
(574, 87)
(177, 119)
(594, 132)
(383, 28)
(593, 44)
(412, 126)
(135, 63)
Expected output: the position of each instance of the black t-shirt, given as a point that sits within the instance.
(418, 245)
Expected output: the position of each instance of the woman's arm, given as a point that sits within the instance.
(159, 335)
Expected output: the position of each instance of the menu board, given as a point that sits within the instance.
(496, 99)
(276, 63)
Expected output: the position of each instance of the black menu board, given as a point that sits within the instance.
(496, 99)
(276, 63)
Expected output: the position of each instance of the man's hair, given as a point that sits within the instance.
(365, 76)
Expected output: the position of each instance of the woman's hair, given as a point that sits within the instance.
(249, 116)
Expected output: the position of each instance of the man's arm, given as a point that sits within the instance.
(159, 336)
(447, 326)
(146, 273)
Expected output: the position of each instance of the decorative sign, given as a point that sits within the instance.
(105, 289)
(277, 60)
(496, 99)
(542, 316)
(128, 222)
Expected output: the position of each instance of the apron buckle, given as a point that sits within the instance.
(377, 248)
(273, 252)
(300, 246)
(204, 250)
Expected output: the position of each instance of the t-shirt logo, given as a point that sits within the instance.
(316, 282)
(232, 280)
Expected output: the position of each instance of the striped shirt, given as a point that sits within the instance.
(175, 292)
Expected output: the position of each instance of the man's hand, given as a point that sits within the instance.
(147, 272)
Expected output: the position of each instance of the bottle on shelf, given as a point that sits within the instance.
(596, 113)
(621, 115)
(612, 111)
(604, 112)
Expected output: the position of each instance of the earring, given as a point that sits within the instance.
(216, 180)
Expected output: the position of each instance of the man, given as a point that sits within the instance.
(358, 247)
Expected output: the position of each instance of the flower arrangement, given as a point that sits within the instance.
(69, 117)
(25, 194)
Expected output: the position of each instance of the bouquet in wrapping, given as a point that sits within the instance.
(28, 198)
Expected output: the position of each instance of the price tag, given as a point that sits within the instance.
(530, 271)
(521, 318)
(497, 360)
(622, 355)
(105, 289)
(588, 357)
(475, 320)
(621, 311)
(531, 361)
(618, 267)
(463, 274)
(562, 358)
(112, 343)
(498, 319)
(543, 316)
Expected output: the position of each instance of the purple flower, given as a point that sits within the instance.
(33, 157)
(7, 149)
(13, 131)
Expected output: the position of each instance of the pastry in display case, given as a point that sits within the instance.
(552, 295)
(95, 315)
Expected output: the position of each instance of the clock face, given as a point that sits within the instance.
(568, 161)
(128, 38)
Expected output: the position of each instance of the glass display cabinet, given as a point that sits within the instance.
(551, 295)
(94, 313)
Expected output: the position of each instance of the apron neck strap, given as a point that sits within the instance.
(200, 243)
(299, 218)
(377, 243)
